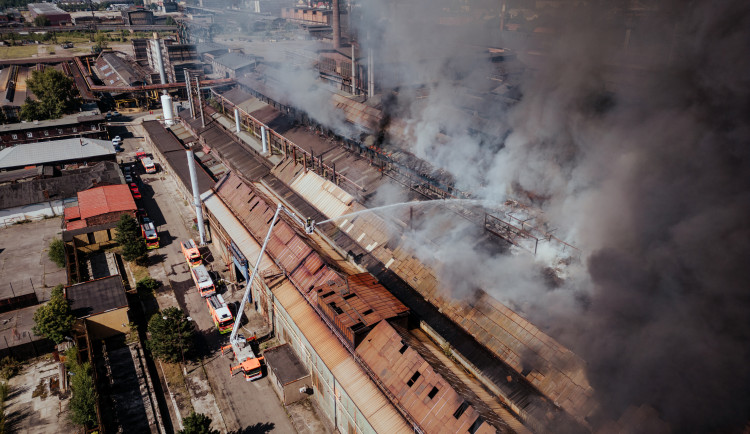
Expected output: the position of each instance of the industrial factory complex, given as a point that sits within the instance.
(293, 211)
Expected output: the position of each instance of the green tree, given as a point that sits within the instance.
(129, 237)
(102, 42)
(83, 398)
(197, 423)
(53, 320)
(41, 21)
(57, 252)
(171, 335)
(55, 92)
(31, 110)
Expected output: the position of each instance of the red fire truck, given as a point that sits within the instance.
(203, 281)
(148, 230)
(220, 313)
(192, 255)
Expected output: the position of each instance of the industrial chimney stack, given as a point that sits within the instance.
(336, 25)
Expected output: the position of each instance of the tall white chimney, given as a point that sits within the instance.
(264, 138)
(237, 119)
(354, 72)
(156, 48)
(196, 196)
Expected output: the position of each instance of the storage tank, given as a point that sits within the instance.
(168, 110)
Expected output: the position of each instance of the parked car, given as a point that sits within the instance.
(128, 178)
(117, 141)
(134, 190)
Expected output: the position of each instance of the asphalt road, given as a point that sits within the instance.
(242, 407)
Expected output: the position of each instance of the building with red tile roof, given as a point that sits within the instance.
(100, 206)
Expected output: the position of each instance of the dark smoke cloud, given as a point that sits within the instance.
(643, 155)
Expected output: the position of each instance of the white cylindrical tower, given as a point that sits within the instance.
(156, 48)
(167, 109)
(196, 196)
(264, 138)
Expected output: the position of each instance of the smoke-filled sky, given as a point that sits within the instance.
(643, 156)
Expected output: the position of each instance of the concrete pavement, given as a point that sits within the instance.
(233, 404)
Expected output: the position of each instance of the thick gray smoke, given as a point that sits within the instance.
(642, 156)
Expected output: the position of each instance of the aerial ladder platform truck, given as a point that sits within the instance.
(250, 364)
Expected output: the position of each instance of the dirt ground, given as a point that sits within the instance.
(35, 404)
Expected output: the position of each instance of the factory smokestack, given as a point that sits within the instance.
(264, 138)
(237, 120)
(354, 72)
(336, 25)
(156, 47)
(196, 195)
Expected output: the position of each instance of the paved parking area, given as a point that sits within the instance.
(24, 264)
(234, 404)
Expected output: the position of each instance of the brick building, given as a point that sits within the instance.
(100, 206)
(86, 125)
(55, 15)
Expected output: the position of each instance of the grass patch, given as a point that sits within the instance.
(17, 52)
(173, 376)
(139, 271)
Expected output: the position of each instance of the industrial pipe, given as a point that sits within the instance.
(264, 138)
(196, 196)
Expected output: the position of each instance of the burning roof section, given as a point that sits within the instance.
(356, 304)
(557, 372)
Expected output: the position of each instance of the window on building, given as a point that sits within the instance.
(403, 347)
(433, 392)
(46, 133)
(75, 130)
(413, 378)
(461, 409)
(14, 136)
(29, 135)
(475, 426)
(93, 128)
(59, 131)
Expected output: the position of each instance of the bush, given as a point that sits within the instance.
(197, 423)
(147, 284)
(56, 252)
(9, 367)
(83, 399)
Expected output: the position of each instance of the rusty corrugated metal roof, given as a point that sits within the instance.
(241, 237)
(426, 395)
(559, 375)
(375, 407)
(324, 195)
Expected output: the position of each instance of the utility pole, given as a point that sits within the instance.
(200, 102)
